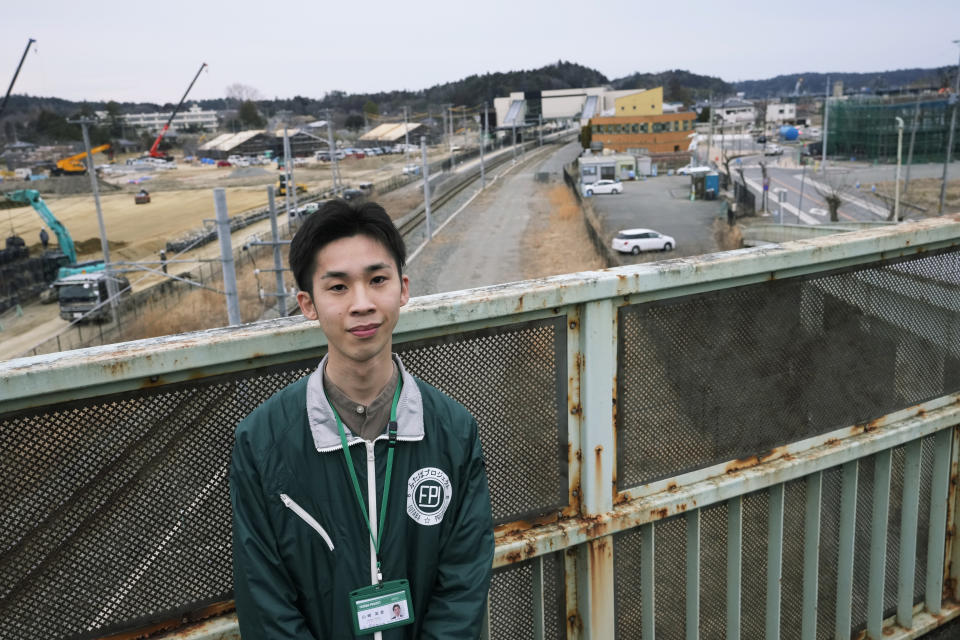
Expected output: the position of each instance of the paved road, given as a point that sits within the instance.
(663, 204)
(806, 205)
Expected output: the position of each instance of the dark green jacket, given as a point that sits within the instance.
(300, 542)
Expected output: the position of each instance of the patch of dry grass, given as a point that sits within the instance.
(198, 308)
(727, 237)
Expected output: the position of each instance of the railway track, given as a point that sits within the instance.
(411, 221)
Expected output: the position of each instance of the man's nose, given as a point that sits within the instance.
(362, 301)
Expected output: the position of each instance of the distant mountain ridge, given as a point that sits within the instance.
(679, 86)
(815, 83)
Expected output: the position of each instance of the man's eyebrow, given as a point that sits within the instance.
(368, 269)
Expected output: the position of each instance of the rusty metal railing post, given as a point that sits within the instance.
(598, 446)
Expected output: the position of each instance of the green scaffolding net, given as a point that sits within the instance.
(865, 128)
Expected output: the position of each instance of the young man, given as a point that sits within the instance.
(359, 477)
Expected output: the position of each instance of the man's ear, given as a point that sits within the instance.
(404, 290)
(306, 305)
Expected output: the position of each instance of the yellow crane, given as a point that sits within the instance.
(73, 165)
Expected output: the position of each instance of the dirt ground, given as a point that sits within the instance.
(556, 239)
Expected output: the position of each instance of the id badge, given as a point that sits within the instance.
(381, 606)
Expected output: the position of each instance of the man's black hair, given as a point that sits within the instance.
(338, 219)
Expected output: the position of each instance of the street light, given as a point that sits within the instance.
(955, 99)
(896, 198)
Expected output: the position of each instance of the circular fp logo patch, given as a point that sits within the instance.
(428, 495)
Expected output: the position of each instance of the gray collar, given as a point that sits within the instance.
(323, 426)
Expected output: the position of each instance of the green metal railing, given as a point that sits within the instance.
(757, 443)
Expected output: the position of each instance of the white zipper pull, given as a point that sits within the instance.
(370, 451)
(306, 517)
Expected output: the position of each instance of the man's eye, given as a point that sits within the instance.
(338, 287)
(379, 279)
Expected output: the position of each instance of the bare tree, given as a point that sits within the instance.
(240, 93)
(831, 189)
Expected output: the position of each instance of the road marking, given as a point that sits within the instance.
(812, 198)
(863, 204)
(786, 205)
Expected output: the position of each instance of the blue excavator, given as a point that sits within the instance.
(72, 267)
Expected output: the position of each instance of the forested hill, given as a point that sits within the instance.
(678, 85)
(815, 83)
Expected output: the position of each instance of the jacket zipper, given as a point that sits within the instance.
(372, 507)
(306, 517)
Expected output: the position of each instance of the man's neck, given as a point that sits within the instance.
(360, 381)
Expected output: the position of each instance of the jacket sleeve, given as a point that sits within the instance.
(458, 601)
(263, 590)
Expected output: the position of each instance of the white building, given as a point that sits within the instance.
(781, 112)
(735, 111)
(153, 122)
(557, 104)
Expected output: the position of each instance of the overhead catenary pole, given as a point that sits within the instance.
(540, 125)
(406, 136)
(426, 186)
(334, 160)
(955, 100)
(803, 177)
(104, 245)
(277, 257)
(483, 144)
(287, 172)
(226, 256)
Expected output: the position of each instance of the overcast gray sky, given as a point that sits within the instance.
(149, 51)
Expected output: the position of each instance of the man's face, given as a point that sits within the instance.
(357, 295)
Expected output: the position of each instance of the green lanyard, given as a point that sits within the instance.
(392, 432)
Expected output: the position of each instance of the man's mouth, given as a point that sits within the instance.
(365, 330)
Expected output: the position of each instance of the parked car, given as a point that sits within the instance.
(761, 138)
(772, 149)
(636, 240)
(690, 170)
(603, 186)
(352, 194)
(411, 169)
(223, 163)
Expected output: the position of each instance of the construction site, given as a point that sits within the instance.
(746, 424)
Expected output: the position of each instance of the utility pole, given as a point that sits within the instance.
(710, 134)
(104, 245)
(426, 186)
(513, 141)
(913, 136)
(826, 127)
(334, 160)
(226, 255)
(540, 125)
(955, 100)
(896, 199)
(483, 144)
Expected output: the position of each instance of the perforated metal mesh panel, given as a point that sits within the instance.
(116, 510)
(511, 600)
(627, 589)
(733, 373)
(513, 380)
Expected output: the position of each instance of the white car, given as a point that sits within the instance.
(636, 240)
(691, 170)
(603, 186)
(772, 149)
